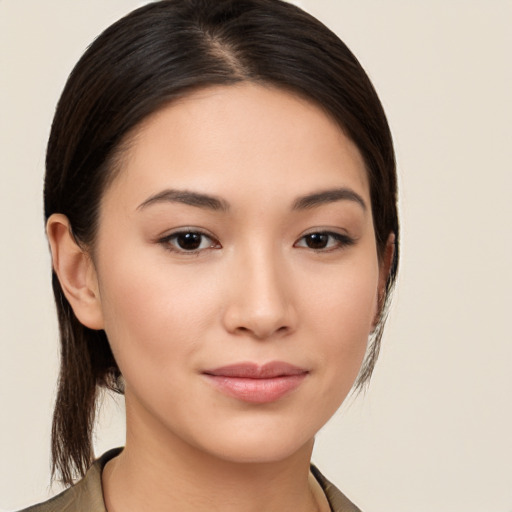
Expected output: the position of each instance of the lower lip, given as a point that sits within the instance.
(259, 391)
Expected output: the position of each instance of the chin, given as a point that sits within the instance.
(267, 454)
(262, 446)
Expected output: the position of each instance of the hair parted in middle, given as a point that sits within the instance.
(154, 55)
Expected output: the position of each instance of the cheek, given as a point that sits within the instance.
(152, 311)
(345, 299)
(342, 315)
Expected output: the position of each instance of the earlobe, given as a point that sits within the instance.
(75, 271)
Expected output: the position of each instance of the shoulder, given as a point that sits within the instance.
(337, 500)
(85, 496)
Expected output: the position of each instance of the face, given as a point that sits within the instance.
(237, 272)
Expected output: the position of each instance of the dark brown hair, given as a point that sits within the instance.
(141, 63)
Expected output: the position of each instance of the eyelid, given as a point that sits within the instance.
(343, 239)
(165, 240)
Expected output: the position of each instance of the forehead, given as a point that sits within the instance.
(240, 138)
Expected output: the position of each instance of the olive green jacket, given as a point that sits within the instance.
(86, 495)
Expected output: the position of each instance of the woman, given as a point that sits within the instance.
(220, 199)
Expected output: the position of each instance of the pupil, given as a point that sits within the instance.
(317, 240)
(189, 241)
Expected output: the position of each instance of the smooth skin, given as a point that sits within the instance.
(239, 229)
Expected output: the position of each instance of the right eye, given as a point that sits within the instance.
(189, 241)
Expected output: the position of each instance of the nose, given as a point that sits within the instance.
(260, 300)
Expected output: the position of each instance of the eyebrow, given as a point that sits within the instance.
(186, 197)
(217, 204)
(328, 196)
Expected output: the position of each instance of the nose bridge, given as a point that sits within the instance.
(259, 303)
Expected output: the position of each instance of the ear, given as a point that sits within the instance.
(384, 270)
(75, 271)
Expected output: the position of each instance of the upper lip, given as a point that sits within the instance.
(255, 371)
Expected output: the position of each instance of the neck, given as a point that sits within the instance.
(158, 471)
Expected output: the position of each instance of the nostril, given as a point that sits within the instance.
(261, 319)
(261, 332)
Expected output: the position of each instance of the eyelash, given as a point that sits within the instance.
(341, 241)
(167, 241)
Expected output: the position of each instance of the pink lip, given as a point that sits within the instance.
(257, 384)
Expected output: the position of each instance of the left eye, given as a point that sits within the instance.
(324, 240)
(189, 241)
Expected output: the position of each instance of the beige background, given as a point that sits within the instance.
(434, 430)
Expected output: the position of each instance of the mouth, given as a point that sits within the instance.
(253, 383)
